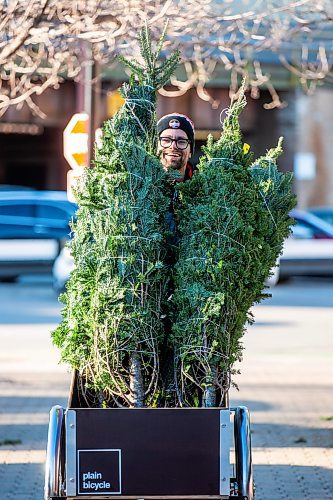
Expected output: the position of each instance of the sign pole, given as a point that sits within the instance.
(88, 94)
(95, 108)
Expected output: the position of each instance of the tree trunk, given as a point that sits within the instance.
(136, 382)
(209, 395)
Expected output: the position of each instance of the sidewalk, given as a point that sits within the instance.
(286, 381)
(29, 386)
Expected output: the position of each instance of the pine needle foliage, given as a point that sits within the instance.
(275, 191)
(233, 218)
(111, 330)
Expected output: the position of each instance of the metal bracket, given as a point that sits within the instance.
(71, 453)
(225, 441)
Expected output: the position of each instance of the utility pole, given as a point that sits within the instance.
(88, 93)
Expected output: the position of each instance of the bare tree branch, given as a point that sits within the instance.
(40, 41)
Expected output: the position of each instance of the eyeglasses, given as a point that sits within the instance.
(166, 142)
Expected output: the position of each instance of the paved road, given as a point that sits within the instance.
(31, 382)
(286, 381)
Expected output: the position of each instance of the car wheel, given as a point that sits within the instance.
(8, 279)
(58, 287)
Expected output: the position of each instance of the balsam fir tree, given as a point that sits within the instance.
(275, 191)
(233, 218)
(112, 330)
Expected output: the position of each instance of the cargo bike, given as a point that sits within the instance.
(148, 453)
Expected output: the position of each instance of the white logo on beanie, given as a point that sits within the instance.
(174, 123)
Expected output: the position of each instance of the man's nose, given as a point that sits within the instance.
(174, 145)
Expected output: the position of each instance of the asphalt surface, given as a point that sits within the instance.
(286, 382)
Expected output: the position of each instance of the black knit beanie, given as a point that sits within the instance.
(177, 121)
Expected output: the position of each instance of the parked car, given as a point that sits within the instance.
(12, 187)
(309, 249)
(61, 269)
(64, 264)
(33, 226)
(274, 277)
(325, 213)
(307, 252)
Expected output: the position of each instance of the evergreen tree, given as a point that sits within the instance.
(112, 330)
(233, 218)
(275, 191)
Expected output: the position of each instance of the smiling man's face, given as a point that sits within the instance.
(173, 158)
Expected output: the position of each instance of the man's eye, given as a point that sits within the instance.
(181, 143)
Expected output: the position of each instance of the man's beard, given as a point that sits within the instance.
(174, 163)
